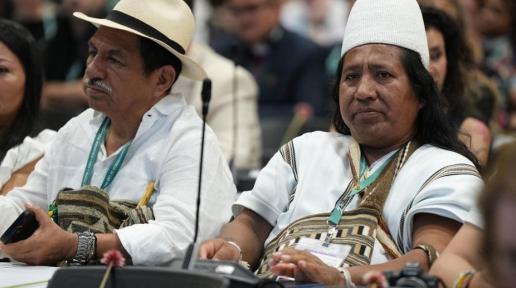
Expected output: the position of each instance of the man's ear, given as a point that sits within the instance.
(166, 77)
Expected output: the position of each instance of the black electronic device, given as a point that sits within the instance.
(134, 276)
(412, 275)
(230, 270)
(22, 228)
(238, 275)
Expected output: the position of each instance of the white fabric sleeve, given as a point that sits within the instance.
(451, 197)
(172, 231)
(475, 217)
(29, 150)
(33, 192)
(270, 195)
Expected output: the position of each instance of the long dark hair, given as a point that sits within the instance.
(23, 45)
(459, 57)
(432, 123)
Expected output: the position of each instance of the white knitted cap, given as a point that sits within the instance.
(395, 22)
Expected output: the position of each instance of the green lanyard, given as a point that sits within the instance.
(115, 166)
(362, 183)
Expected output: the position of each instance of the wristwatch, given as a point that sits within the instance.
(86, 246)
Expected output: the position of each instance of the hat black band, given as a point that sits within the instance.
(133, 23)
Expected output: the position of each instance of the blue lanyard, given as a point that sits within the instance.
(92, 158)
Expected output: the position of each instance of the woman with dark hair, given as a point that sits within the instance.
(449, 59)
(20, 92)
(392, 186)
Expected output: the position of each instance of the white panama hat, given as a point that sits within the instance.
(170, 23)
(394, 22)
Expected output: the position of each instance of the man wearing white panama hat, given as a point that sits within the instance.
(131, 162)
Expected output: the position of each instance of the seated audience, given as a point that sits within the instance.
(394, 182)
(289, 68)
(497, 25)
(233, 112)
(64, 54)
(448, 60)
(322, 21)
(21, 76)
(123, 174)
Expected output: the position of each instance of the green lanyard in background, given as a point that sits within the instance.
(95, 148)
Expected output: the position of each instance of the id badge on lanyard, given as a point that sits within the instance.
(332, 255)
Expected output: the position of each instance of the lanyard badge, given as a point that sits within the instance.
(357, 186)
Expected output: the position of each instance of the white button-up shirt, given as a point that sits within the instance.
(166, 149)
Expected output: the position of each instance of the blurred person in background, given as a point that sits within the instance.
(497, 24)
(449, 59)
(64, 60)
(485, 255)
(38, 16)
(471, 11)
(21, 79)
(288, 68)
(233, 112)
(323, 21)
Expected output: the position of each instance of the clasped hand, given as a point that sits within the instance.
(304, 267)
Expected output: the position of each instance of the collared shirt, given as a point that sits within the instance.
(166, 150)
(323, 172)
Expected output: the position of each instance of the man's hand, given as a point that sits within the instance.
(304, 267)
(218, 249)
(48, 245)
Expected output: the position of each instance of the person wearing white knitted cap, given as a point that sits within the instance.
(392, 186)
(131, 161)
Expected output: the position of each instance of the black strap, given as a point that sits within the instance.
(133, 23)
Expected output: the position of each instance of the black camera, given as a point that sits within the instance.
(412, 275)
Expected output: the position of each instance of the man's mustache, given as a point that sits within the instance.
(98, 85)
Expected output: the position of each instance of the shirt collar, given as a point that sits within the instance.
(165, 106)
